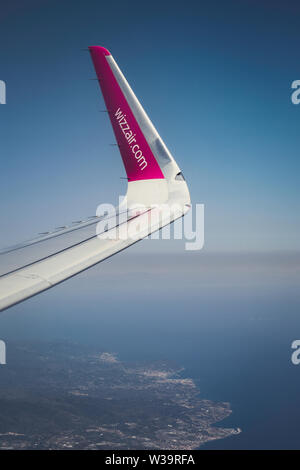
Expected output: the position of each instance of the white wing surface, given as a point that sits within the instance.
(157, 194)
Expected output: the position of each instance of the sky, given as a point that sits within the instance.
(215, 78)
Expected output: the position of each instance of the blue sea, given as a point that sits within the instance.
(228, 319)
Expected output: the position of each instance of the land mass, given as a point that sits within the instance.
(66, 396)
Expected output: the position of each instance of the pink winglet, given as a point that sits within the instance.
(139, 161)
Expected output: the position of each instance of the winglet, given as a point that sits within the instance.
(135, 147)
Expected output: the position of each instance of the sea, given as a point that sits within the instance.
(228, 319)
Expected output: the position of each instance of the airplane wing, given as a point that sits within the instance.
(157, 195)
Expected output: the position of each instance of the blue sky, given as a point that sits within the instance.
(214, 77)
